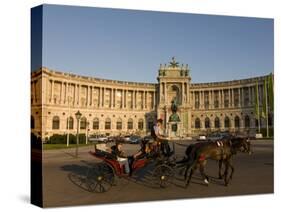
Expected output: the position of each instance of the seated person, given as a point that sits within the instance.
(146, 148)
(120, 156)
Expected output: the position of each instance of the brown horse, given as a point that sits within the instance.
(222, 151)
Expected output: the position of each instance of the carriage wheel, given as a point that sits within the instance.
(99, 178)
(163, 175)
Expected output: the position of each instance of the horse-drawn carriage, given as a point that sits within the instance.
(101, 177)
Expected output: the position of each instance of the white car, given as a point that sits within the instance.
(201, 138)
(100, 139)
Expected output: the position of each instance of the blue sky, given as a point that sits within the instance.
(130, 45)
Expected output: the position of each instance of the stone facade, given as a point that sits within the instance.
(114, 107)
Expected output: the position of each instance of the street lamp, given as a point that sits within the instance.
(78, 116)
(87, 131)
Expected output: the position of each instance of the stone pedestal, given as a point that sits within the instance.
(174, 129)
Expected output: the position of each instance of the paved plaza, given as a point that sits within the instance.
(253, 175)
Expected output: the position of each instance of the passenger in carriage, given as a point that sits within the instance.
(120, 156)
(145, 150)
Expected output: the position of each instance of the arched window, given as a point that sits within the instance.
(107, 124)
(32, 124)
(237, 122)
(119, 124)
(96, 124)
(140, 124)
(247, 121)
(83, 123)
(56, 123)
(207, 123)
(69, 124)
(226, 122)
(130, 124)
(217, 122)
(197, 123)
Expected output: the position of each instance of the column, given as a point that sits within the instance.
(200, 99)
(100, 98)
(232, 97)
(136, 99)
(213, 99)
(74, 93)
(78, 95)
(91, 95)
(186, 93)
(125, 98)
(122, 98)
(65, 91)
(229, 98)
(66, 94)
(61, 93)
(114, 97)
(154, 99)
(193, 99)
(145, 99)
(165, 92)
(203, 99)
(52, 92)
(250, 96)
(219, 94)
(242, 97)
(222, 98)
(183, 93)
(209, 98)
(239, 98)
(111, 98)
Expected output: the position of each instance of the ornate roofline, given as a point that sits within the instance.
(240, 82)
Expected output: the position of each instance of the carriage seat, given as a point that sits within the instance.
(102, 151)
(101, 147)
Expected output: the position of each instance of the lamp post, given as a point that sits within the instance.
(87, 131)
(78, 116)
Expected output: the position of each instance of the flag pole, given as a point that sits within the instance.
(258, 107)
(266, 107)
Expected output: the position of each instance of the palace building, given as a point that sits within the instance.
(113, 107)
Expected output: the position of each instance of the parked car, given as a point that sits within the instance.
(201, 138)
(98, 138)
(126, 138)
(215, 137)
(134, 139)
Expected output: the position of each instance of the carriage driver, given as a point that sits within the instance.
(117, 151)
(159, 137)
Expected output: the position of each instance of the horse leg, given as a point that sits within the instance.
(226, 180)
(232, 169)
(220, 166)
(202, 172)
(187, 180)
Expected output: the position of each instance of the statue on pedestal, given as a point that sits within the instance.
(174, 107)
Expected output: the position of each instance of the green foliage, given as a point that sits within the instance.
(270, 132)
(62, 139)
